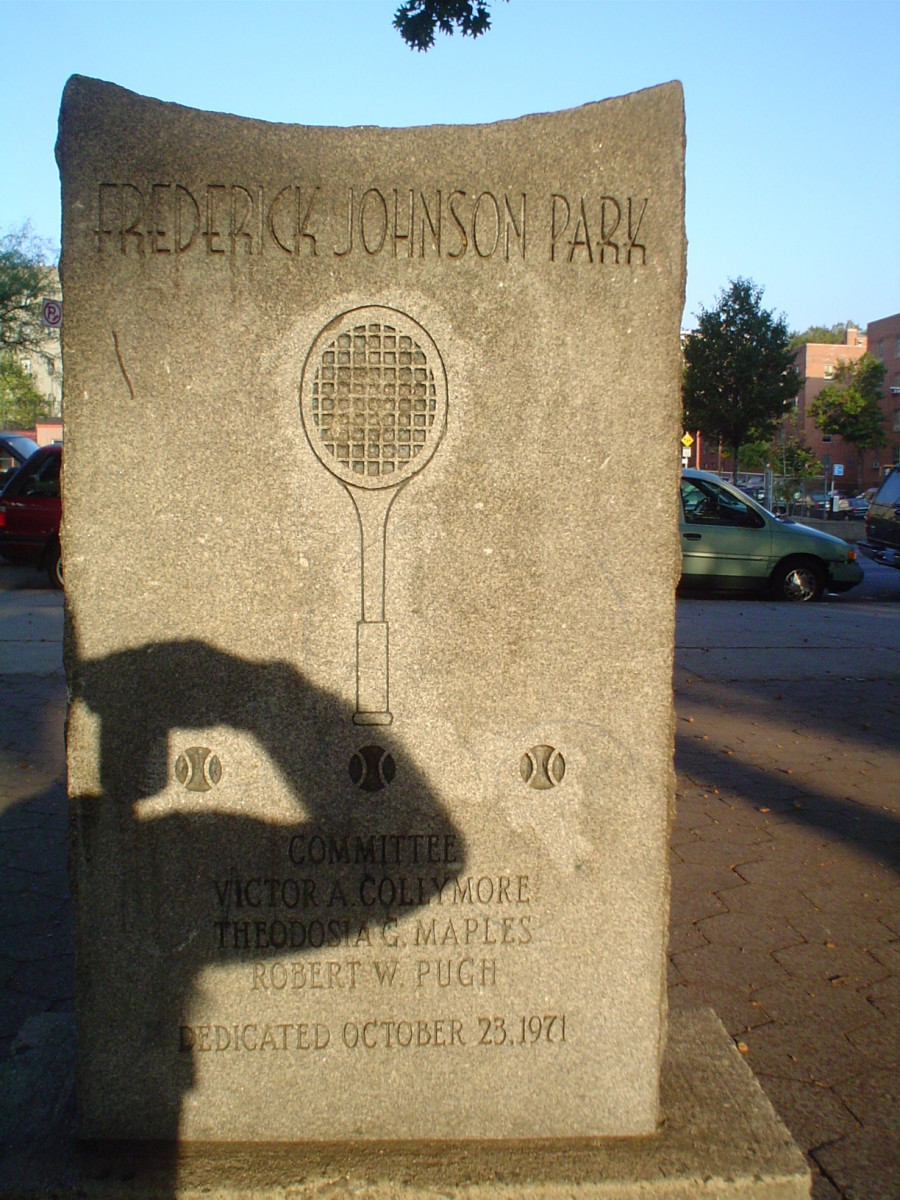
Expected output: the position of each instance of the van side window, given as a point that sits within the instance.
(889, 492)
(705, 503)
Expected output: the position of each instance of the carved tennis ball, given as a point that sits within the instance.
(542, 767)
(371, 768)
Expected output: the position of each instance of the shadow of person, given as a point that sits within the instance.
(179, 866)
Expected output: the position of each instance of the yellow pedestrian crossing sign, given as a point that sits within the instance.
(687, 441)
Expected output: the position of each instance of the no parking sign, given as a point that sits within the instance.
(51, 314)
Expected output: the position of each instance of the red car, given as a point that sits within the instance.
(30, 511)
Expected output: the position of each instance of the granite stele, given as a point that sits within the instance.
(370, 549)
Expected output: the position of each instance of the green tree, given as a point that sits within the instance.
(794, 465)
(823, 335)
(25, 278)
(787, 455)
(417, 20)
(21, 404)
(755, 456)
(739, 373)
(794, 459)
(850, 406)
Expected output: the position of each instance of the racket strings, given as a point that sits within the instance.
(374, 399)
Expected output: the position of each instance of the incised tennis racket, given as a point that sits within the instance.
(373, 397)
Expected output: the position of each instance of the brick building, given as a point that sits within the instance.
(884, 344)
(817, 363)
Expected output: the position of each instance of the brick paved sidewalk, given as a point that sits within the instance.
(786, 905)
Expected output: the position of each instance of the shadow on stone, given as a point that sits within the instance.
(202, 879)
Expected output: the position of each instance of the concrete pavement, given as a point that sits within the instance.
(785, 854)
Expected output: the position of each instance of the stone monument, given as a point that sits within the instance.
(370, 548)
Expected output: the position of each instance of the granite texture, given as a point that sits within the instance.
(719, 1140)
(370, 727)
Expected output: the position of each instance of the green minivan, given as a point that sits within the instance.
(728, 541)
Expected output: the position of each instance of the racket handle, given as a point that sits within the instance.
(372, 674)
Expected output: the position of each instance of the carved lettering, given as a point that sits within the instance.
(281, 201)
(608, 207)
(242, 206)
(463, 236)
(252, 1037)
(434, 224)
(162, 218)
(490, 225)
(303, 231)
(385, 971)
(348, 248)
(299, 935)
(579, 245)
(391, 1034)
(518, 226)
(460, 972)
(266, 892)
(485, 931)
(109, 217)
(132, 217)
(185, 217)
(581, 238)
(558, 203)
(373, 221)
(398, 234)
(633, 230)
(386, 849)
(533, 1031)
(215, 196)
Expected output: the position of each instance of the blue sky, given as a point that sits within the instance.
(793, 108)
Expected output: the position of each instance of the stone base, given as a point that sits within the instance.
(720, 1138)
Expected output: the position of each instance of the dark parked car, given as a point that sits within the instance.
(15, 449)
(30, 511)
(883, 522)
(813, 504)
(859, 506)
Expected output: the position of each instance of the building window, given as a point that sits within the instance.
(828, 370)
(897, 349)
(896, 425)
(826, 437)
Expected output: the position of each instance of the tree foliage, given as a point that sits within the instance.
(850, 406)
(739, 373)
(787, 455)
(417, 20)
(21, 404)
(25, 278)
(822, 335)
(794, 458)
(755, 456)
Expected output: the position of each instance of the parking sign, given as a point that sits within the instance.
(51, 314)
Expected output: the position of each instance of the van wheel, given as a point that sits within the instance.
(54, 567)
(799, 580)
